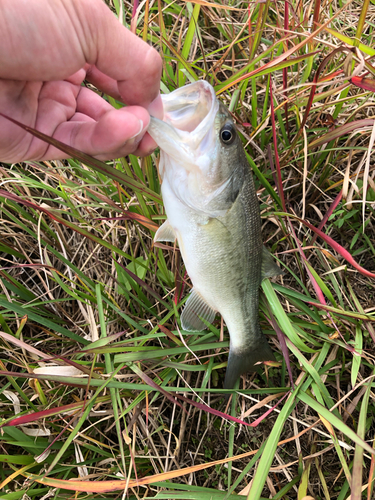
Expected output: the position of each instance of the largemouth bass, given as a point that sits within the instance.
(213, 211)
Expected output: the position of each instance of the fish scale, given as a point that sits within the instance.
(213, 211)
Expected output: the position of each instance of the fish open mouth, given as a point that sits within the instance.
(190, 147)
(187, 132)
(190, 107)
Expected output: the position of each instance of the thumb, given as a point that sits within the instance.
(121, 55)
(44, 40)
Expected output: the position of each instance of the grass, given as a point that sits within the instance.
(101, 395)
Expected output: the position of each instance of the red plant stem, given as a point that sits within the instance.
(135, 7)
(329, 212)
(285, 70)
(278, 170)
(284, 348)
(317, 288)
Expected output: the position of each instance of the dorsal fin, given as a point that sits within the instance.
(195, 309)
(269, 267)
(165, 233)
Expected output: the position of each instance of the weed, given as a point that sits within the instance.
(93, 367)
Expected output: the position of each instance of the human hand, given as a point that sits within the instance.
(48, 48)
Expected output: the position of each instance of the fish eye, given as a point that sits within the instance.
(227, 134)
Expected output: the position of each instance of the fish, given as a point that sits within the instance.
(213, 211)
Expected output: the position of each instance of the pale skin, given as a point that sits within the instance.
(48, 48)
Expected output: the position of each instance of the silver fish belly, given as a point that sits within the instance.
(213, 211)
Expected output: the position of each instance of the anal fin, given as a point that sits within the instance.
(165, 233)
(269, 266)
(195, 309)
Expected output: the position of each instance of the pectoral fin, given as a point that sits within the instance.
(269, 267)
(195, 309)
(165, 233)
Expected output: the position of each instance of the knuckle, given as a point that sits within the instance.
(153, 63)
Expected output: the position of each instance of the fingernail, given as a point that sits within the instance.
(156, 108)
(139, 133)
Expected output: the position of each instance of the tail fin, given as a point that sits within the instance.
(243, 361)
